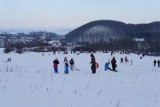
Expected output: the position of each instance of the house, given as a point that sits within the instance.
(55, 43)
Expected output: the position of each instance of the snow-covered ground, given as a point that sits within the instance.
(29, 81)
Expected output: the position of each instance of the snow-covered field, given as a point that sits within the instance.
(29, 81)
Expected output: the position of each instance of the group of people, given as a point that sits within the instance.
(106, 67)
(113, 63)
(66, 63)
(158, 63)
(9, 59)
(93, 65)
(125, 59)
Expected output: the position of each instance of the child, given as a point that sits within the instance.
(106, 67)
(71, 64)
(121, 60)
(66, 71)
(126, 59)
(55, 65)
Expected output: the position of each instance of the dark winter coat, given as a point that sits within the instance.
(55, 62)
(113, 61)
(93, 60)
(71, 62)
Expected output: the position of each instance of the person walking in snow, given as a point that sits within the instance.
(154, 62)
(66, 66)
(158, 62)
(93, 62)
(71, 64)
(114, 65)
(55, 65)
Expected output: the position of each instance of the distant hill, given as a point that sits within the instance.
(104, 30)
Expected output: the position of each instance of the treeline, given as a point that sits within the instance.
(147, 47)
(35, 45)
(34, 35)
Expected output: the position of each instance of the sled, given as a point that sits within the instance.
(97, 65)
(75, 68)
(115, 71)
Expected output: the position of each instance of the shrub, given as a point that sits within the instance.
(8, 49)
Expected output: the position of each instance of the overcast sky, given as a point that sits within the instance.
(68, 14)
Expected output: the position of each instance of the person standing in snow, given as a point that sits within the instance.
(111, 53)
(93, 62)
(114, 65)
(71, 64)
(154, 62)
(158, 62)
(131, 62)
(66, 66)
(55, 65)
(121, 60)
(126, 59)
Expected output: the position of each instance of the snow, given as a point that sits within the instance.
(29, 81)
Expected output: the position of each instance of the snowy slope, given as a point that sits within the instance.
(29, 81)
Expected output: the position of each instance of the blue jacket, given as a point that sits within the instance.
(106, 67)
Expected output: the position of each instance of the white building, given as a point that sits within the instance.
(139, 39)
(55, 43)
